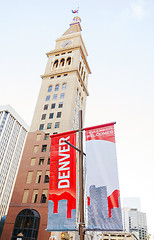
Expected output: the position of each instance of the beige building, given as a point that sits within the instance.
(62, 94)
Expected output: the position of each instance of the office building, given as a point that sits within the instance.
(135, 222)
(13, 131)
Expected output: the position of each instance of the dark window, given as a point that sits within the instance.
(58, 76)
(41, 161)
(46, 179)
(49, 88)
(62, 62)
(55, 132)
(53, 105)
(35, 199)
(44, 148)
(49, 125)
(68, 61)
(51, 77)
(39, 179)
(43, 198)
(43, 116)
(60, 105)
(27, 222)
(57, 124)
(65, 75)
(48, 161)
(58, 114)
(46, 136)
(51, 115)
(46, 107)
(41, 127)
(55, 65)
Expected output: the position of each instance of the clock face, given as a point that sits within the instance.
(66, 43)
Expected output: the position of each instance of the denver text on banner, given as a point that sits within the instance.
(62, 185)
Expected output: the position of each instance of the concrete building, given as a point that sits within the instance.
(13, 131)
(135, 222)
(62, 94)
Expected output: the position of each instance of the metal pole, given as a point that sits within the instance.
(81, 191)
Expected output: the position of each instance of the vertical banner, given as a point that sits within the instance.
(62, 185)
(104, 210)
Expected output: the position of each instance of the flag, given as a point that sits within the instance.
(62, 185)
(103, 194)
(75, 11)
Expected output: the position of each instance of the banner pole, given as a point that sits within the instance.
(81, 191)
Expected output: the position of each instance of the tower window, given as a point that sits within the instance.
(57, 124)
(43, 116)
(55, 96)
(49, 125)
(53, 105)
(45, 106)
(51, 115)
(64, 86)
(48, 161)
(55, 65)
(62, 95)
(68, 60)
(57, 87)
(44, 148)
(41, 127)
(62, 62)
(58, 114)
(60, 105)
(49, 88)
(47, 98)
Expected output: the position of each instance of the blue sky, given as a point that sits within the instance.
(119, 38)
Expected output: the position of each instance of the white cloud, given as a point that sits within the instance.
(138, 9)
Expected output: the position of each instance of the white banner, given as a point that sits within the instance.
(104, 210)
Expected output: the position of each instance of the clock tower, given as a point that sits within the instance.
(62, 94)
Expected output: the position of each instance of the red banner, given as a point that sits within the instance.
(62, 186)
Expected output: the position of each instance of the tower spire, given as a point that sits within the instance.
(75, 26)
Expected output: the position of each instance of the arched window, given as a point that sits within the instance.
(64, 86)
(49, 88)
(57, 87)
(27, 223)
(68, 60)
(55, 65)
(79, 66)
(62, 62)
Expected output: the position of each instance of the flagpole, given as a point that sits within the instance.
(81, 190)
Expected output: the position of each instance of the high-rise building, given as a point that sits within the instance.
(135, 222)
(13, 131)
(62, 94)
